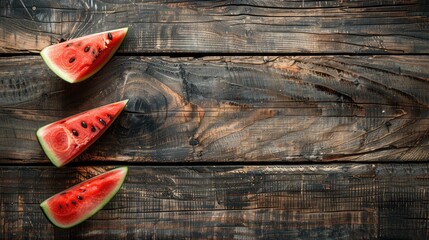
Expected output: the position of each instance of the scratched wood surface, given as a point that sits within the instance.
(323, 104)
(270, 26)
(345, 201)
(223, 109)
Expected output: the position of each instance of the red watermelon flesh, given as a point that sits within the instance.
(77, 59)
(76, 204)
(65, 139)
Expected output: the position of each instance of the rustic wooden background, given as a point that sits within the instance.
(247, 119)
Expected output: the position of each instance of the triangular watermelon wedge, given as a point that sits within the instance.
(76, 204)
(78, 59)
(65, 139)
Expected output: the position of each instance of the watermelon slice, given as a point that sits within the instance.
(65, 139)
(76, 204)
(77, 59)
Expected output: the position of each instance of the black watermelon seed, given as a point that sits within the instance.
(86, 49)
(83, 123)
(68, 45)
(102, 122)
(93, 129)
(79, 197)
(99, 50)
(75, 132)
(109, 35)
(73, 202)
(72, 59)
(93, 52)
(109, 116)
(83, 190)
(61, 207)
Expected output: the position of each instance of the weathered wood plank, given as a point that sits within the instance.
(340, 201)
(387, 26)
(216, 109)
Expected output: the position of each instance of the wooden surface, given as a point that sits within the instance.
(269, 26)
(246, 120)
(230, 109)
(346, 201)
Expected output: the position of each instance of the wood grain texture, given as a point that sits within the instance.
(336, 201)
(223, 109)
(271, 26)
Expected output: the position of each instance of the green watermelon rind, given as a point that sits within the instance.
(52, 157)
(63, 76)
(109, 197)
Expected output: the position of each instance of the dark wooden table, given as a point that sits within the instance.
(247, 119)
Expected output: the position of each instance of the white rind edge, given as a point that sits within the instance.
(48, 152)
(53, 67)
(109, 197)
